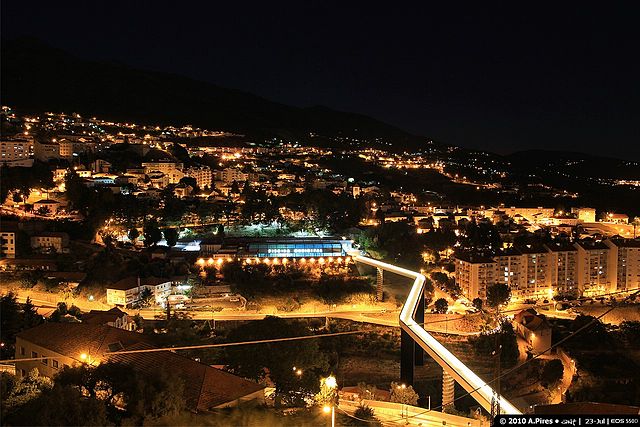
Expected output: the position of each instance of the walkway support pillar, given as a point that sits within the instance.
(379, 283)
(448, 391)
(407, 357)
(419, 318)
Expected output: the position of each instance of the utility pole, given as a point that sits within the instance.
(495, 400)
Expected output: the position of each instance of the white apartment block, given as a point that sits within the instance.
(202, 175)
(16, 152)
(45, 151)
(51, 242)
(624, 263)
(593, 268)
(474, 274)
(535, 267)
(173, 170)
(579, 269)
(563, 268)
(7, 244)
(229, 175)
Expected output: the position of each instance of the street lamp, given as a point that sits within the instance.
(331, 384)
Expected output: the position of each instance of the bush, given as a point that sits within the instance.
(552, 373)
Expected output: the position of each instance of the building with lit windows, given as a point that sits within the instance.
(172, 170)
(474, 273)
(510, 268)
(202, 175)
(16, 152)
(535, 261)
(563, 268)
(248, 248)
(7, 244)
(593, 268)
(624, 263)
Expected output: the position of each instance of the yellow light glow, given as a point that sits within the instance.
(326, 409)
(83, 356)
(331, 382)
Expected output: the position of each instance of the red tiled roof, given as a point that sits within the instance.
(73, 339)
(205, 387)
(100, 317)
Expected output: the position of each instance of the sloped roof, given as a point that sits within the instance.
(532, 320)
(205, 387)
(101, 317)
(73, 339)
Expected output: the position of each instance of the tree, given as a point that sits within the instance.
(278, 358)
(401, 393)
(15, 318)
(145, 297)
(28, 388)
(441, 305)
(171, 236)
(152, 234)
(362, 416)
(477, 303)
(119, 385)
(440, 278)
(552, 372)
(59, 406)
(133, 234)
(498, 294)
(235, 188)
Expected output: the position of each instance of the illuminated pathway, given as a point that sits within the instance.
(450, 364)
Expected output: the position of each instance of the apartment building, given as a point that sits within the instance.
(16, 152)
(128, 290)
(202, 175)
(585, 214)
(624, 263)
(586, 268)
(563, 268)
(593, 268)
(474, 273)
(510, 268)
(229, 175)
(46, 150)
(535, 260)
(173, 170)
(54, 242)
(7, 244)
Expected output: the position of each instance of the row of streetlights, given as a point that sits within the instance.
(276, 260)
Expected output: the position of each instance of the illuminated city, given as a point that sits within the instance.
(175, 250)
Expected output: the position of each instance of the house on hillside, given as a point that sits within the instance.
(70, 344)
(534, 328)
(114, 317)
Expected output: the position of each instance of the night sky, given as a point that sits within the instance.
(501, 77)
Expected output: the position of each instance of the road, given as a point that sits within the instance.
(372, 315)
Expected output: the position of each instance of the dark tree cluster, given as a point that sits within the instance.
(15, 318)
